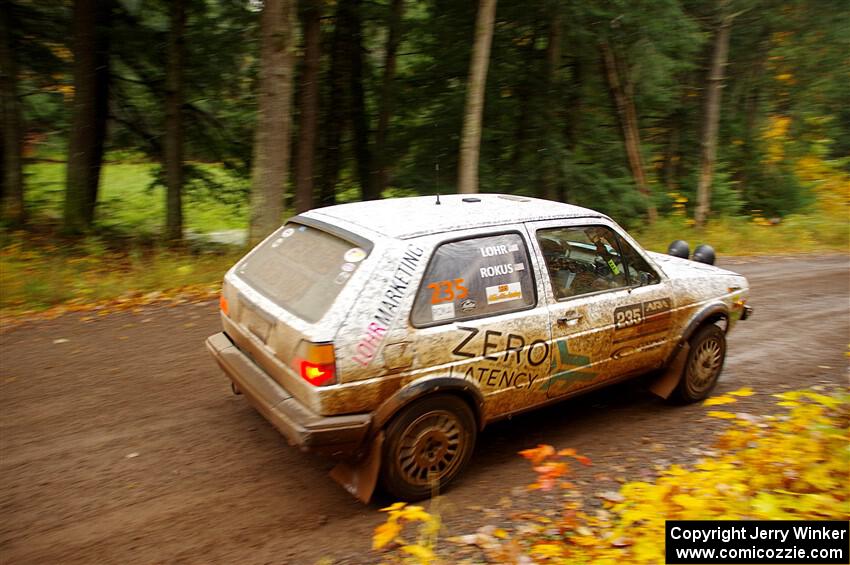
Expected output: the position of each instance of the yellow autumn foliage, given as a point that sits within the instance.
(789, 466)
(793, 465)
(388, 534)
(775, 135)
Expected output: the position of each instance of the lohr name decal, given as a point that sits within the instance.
(495, 250)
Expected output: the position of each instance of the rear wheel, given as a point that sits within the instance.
(427, 444)
(704, 364)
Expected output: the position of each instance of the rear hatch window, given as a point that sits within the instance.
(302, 268)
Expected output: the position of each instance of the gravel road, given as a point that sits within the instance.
(121, 443)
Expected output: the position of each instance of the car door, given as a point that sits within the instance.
(592, 310)
(643, 323)
(478, 316)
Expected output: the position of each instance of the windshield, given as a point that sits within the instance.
(302, 268)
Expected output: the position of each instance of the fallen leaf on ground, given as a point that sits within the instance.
(611, 496)
(718, 400)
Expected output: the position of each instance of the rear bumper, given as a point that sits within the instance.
(340, 436)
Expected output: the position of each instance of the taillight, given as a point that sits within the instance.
(317, 374)
(316, 363)
(222, 304)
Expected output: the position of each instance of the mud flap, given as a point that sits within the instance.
(359, 478)
(664, 385)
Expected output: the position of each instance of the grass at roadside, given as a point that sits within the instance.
(802, 233)
(128, 203)
(37, 274)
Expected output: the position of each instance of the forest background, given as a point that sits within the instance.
(138, 133)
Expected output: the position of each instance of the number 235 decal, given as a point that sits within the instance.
(447, 291)
(634, 314)
(628, 316)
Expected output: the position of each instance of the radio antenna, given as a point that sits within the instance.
(437, 170)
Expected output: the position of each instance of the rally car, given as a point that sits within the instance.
(389, 333)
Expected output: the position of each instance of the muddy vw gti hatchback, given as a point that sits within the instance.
(389, 333)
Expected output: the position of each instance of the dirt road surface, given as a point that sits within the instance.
(121, 443)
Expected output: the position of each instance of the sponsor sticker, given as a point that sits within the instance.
(468, 305)
(354, 255)
(342, 277)
(504, 292)
(348, 267)
(519, 266)
(444, 311)
(287, 232)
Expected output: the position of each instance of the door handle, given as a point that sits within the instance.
(570, 319)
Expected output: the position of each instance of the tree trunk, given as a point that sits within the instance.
(671, 152)
(309, 108)
(711, 117)
(359, 113)
(627, 114)
(90, 111)
(387, 91)
(751, 110)
(11, 167)
(574, 107)
(575, 101)
(525, 91)
(337, 112)
(470, 144)
(553, 62)
(174, 122)
(271, 142)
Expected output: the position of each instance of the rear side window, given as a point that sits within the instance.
(302, 269)
(475, 277)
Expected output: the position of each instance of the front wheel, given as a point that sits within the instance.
(704, 364)
(427, 444)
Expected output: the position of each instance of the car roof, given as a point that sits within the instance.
(405, 218)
